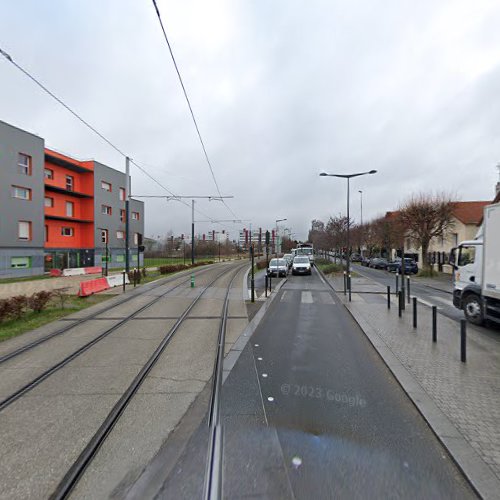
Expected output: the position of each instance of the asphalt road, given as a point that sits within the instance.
(310, 410)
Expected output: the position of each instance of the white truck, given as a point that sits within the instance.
(476, 277)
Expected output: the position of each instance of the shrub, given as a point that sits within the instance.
(18, 305)
(332, 268)
(39, 300)
(4, 309)
(261, 264)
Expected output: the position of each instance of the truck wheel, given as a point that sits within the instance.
(473, 309)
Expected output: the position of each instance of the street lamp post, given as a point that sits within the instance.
(276, 236)
(361, 220)
(348, 177)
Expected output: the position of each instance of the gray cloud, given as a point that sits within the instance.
(281, 90)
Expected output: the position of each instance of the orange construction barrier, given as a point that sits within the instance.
(92, 286)
(93, 270)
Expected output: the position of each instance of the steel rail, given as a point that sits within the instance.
(65, 329)
(213, 472)
(78, 468)
(53, 369)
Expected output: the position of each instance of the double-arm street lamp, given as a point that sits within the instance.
(348, 177)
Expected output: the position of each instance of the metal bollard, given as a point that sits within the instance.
(397, 282)
(270, 285)
(345, 282)
(400, 306)
(414, 312)
(192, 281)
(463, 340)
(388, 297)
(408, 288)
(252, 286)
(349, 283)
(135, 277)
(434, 323)
(123, 272)
(266, 285)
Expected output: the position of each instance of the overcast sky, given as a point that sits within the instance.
(281, 90)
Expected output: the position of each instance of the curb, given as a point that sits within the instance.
(245, 283)
(481, 478)
(237, 348)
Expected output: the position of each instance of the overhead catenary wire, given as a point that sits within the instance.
(9, 58)
(190, 107)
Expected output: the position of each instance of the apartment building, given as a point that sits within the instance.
(21, 199)
(59, 211)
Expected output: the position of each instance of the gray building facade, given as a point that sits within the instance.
(21, 202)
(109, 219)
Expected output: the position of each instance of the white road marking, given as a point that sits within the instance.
(264, 375)
(430, 304)
(284, 296)
(444, 301)
(306, 298)
(270, 398)
(259, 359)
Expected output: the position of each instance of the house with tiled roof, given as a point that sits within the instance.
(467, 216)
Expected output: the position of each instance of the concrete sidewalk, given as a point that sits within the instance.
(460, 401)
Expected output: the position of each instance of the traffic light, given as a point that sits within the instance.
(268, 237)
(141, 248)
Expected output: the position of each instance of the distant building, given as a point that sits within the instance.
(60, 212)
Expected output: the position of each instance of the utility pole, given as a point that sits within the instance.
(127, 207)
(192, 231)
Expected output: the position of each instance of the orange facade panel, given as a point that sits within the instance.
(69, 218)
(68, 234)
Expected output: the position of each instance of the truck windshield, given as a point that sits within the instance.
(466, 256)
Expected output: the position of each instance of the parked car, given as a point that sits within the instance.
(365, 261)
(301, 265)
(356, 257)
(411, 267)
(378, 263)
(277, 267)
(289, 259)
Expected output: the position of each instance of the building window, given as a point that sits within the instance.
(46, 233)
(106, 186)
(122, 215)
(69, 183)
(104, 235)
(49, 202)
(48, 173)
(20, 262)
(24, 230)
(67, 231)
(120, 235)
(21, 193)
(106, 210)
(70, 208)
(24, 164)
(120, 258)
(135, 215)
(122, 194)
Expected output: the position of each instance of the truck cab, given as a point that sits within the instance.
(467, 263)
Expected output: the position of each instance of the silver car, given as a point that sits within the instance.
(277, 267)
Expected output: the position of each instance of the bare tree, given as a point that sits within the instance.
(424, 217)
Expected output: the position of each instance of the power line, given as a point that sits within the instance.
(190, 107)
(92, 128)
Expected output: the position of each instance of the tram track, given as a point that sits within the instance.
(24, 389)
(31, 345)
(79, 466)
